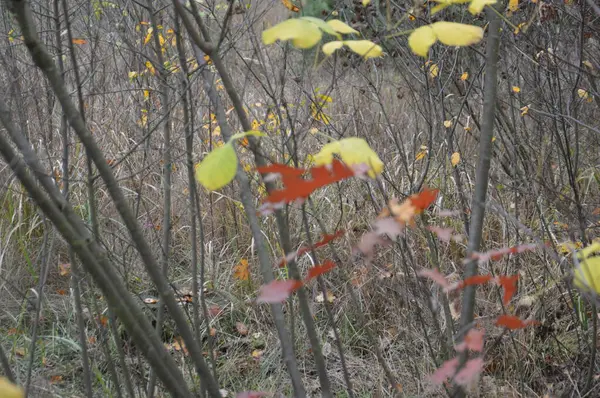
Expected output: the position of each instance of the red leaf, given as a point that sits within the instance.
(509, 284)
(277, 291)
(367, 244)
(319, 270)
(296, 187)
(475, 280)
(305, 249)
(513, 323)
(499, 253)
(388, 226)
(424, 199)
(469, 371)
(435, 276)
(447, 369)
(445, 234)
(473, 341)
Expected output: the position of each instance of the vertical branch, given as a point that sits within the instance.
(483, 169)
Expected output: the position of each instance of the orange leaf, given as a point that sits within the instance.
(79, 41)
(61, 292)
(509, 284)
(319, 270)
(55, 379)
(513, 322)
(290, 6)
(242, 270)
(103, 319)
(424, 199)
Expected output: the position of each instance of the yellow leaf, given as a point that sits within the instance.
(457, 34)
(146, 94)
(524, 110)
(476, 6)
(150, 68)
(255, 133)
(464, 76)
(218, 168)
(148, 36)
(447, 123)
(583, 94)
(421, 39)
(455, 159)
(303, 33)
(352, 151)
(10, 390)
(434, 70)
(448, 33)
(513, 5)
(364, 48)
(332, 46)
(446, 3)
(366, 2)
(341, 27)
(516, 89)
(520, 27)
(421, 154)
(588, 64)
(587, 273)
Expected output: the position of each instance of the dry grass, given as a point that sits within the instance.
(394, 113)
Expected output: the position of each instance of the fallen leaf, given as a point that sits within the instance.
(455, 159)
(241, 328)
(241, 271)
(64, 269)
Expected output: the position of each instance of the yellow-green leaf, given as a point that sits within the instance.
(366, 2)
(319, 23)
(341, 27)
(352, 151)
(10, 390)
(218, 168)
(476, 6)
(303, 33)
(587, 274)
(364, 48)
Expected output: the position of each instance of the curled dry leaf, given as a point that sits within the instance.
(241, 328)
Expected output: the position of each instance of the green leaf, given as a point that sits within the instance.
(218, 168)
